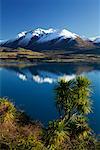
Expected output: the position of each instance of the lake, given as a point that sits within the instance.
(32, 88)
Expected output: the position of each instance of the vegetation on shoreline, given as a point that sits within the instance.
(69, 132)
(22, 55)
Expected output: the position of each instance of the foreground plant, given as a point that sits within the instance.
(69, 132)
(17, 131)
(73, 97)
(7, 111)
(73, 104)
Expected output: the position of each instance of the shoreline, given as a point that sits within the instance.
(66, 59)
(23, 57)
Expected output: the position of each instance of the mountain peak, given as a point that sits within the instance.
(46, 39)
(67, 34)
(21, 34)
(40, 31)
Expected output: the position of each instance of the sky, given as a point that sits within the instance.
(79, 16)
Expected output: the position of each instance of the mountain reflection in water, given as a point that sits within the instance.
(32, 88)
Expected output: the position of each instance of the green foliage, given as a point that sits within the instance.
(69, 132)
(82, 95)
(17, 131)
(29, 143)
(21, 49)
(56, 134)
(22, 143)
(7, 110)
(73, 96)
(79, 127)
(73, 103)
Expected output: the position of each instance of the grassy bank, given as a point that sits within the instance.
(8, 55)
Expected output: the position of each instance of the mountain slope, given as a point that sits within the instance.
(51, 39)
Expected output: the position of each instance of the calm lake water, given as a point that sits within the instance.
(32, 88)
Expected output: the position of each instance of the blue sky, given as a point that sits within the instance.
(79, 16)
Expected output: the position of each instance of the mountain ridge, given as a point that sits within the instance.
(51, 39)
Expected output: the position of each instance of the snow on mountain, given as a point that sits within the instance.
(40, 31)
(54, 34)
(2, 41)
(95, 39)
(67, 34)
(48, 39)
(21, 34)
(46, 35)
(27, 37)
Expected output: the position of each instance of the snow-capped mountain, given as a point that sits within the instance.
(46, 34)
(51, 39)
(96, 40)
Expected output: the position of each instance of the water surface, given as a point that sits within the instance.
(32, 88)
